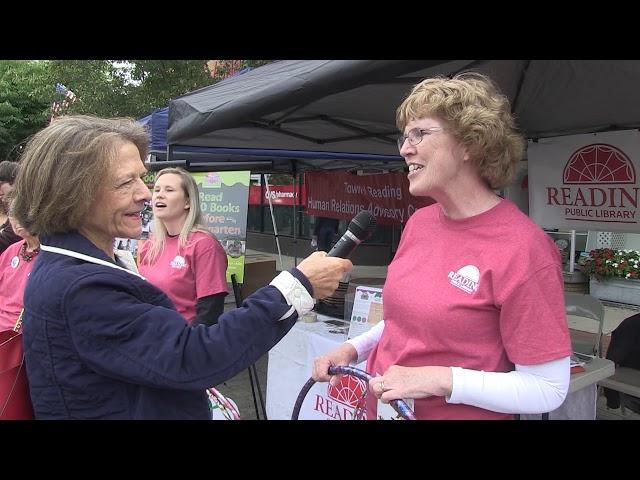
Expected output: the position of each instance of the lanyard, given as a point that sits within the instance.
(86, 258)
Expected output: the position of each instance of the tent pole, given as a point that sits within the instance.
(273, 221)
(295, 213)
(572, 252)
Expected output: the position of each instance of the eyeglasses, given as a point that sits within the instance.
(415, 135)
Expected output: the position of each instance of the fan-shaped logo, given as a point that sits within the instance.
(466, 278)
(179, 262)
(348, 391)
(597, 164)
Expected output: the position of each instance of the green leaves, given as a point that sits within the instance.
(24, 103)
(105, 88)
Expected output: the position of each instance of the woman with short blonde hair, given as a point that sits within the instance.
(474, 321)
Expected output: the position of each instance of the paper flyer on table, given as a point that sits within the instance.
(367, 310)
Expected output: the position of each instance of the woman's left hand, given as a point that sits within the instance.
(412, 382)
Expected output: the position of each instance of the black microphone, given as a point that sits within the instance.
(360, 229)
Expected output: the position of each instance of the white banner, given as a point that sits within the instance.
(586, 182)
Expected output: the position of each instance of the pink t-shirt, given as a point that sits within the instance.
(14, 272)
(187, 274)
(482, 293)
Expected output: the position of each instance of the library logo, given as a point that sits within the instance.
(179, 262)
(598, 185)
(466, 279)
(342, 401)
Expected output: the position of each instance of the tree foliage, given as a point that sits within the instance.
(134, 88)
(221, 69)
(162, 80)
(131, 88)
(24, 103)
(105, 88)
(99, 90)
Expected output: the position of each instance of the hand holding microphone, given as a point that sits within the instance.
(325, 270)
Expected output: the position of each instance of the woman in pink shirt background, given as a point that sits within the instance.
(181, 257)
(474, 320)
(16, 263)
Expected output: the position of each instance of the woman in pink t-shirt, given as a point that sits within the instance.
(16, 263)
(474, 321)
(182, 258)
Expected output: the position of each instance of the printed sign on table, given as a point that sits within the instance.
(367, 310)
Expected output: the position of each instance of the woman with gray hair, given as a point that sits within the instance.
(100, 341)
(183, 258)
(474, 320)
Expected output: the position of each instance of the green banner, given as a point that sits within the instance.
(224, 199)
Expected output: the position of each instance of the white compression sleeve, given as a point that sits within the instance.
(529, 389)
(294, 293)
(365, 342)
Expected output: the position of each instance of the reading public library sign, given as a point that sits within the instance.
(586, 182)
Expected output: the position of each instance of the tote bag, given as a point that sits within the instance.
(15, 400)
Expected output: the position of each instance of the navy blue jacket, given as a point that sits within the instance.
(101, 343)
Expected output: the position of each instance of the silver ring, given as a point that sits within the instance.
(382, 389)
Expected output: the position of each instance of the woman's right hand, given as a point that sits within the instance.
(345, 354)
(324, 273)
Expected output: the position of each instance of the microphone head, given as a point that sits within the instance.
(363, 225)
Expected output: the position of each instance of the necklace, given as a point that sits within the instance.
(27, 257)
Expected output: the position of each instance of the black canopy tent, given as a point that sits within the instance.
(299, 138)
(344, 106)
(347, 107)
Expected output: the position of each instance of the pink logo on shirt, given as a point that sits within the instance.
(466, 278)
(179, 262)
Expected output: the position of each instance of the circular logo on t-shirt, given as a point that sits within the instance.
(466, 278)
(179, 262)
(14, 262)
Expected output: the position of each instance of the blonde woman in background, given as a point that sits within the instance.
(181, 257)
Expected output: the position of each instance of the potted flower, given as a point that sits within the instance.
(615, 275)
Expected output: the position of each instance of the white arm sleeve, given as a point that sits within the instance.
(365, 342)
(529, 389)
(294, 293)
